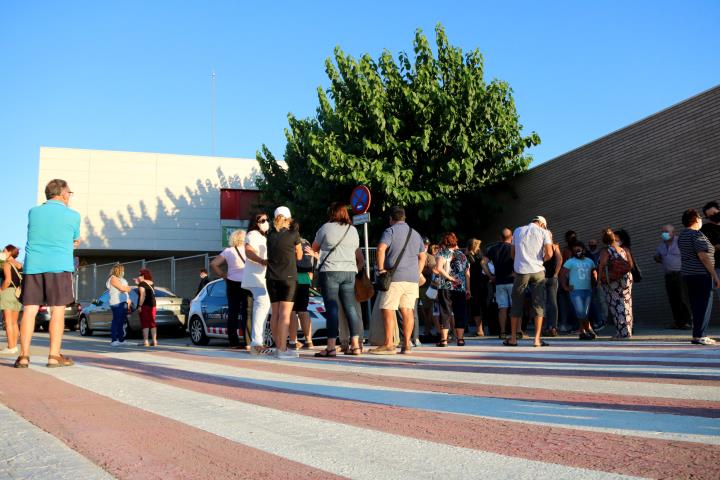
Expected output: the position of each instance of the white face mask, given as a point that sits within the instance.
(700, 222)
(264, 227)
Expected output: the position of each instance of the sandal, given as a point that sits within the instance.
(61, 361)
(20, 359)
(406, 349)
(326, 353)
(442, 343)
(354, 351)
(507, 343)
(461, 342)
(543, 343)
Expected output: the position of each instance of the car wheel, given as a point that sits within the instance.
(197, 332)
(84, 327)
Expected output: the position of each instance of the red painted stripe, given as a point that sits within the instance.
(131, 443)
(697, 408)
(577, 448)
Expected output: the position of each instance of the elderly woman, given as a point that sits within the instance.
(479, 279)
(235, 258)
(283, 253)
(698, 271)
(118, 290)
(454, 272)
(9, 303)
(147, 307)
(617, 290)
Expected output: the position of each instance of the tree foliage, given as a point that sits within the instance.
(426, 132)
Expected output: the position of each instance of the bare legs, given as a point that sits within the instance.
(515, 323)
(502, 320)
(56, 329)
(150, 333)
(10, 317)
(280, 323)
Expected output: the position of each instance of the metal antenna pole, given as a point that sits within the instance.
(212, 121)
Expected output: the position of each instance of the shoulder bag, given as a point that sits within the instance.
(18, 288)
(364, 289)
(616, 267)
(385, 279)
(237, 250)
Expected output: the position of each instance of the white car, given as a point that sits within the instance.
(208, 315)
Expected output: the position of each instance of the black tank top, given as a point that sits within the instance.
(149, 294)
(14, 277)
(550, 266)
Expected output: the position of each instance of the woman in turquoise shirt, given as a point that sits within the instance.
(578, 275)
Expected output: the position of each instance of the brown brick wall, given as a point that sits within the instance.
(638, 178)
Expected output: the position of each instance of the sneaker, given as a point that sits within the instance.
(9, 351)
(287, 354)
(703, 341)
(417, 343)
(115, 343)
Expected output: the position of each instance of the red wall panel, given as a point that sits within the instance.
(237, 204)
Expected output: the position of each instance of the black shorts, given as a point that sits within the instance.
(302, 297)
(281, 290)
(49, 289)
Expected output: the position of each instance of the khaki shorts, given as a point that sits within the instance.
(400, 294)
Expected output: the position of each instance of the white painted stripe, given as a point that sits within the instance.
(334, 447)
(586, 385)
(27, 452)
(622, 422)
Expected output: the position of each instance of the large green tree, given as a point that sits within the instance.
(426, 132)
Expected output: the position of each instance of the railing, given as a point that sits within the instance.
(179, 275)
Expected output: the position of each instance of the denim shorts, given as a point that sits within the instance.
(503, 295)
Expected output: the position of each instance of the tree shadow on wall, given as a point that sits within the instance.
(192, 211)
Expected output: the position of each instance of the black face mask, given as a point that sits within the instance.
(715, 218)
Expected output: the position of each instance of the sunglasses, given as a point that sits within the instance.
(262, 220)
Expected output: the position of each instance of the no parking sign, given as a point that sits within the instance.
(360, 199)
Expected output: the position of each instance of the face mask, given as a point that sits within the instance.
(715, 217)
(700, 222)
(264, 227)
(666, 236)
(579, 254)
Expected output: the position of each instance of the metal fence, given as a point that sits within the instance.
(179, 275)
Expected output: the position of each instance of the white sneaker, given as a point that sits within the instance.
(115, 343)
(707, 341)
(9, 351)
(287, 354)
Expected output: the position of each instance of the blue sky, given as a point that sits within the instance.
(135, 75)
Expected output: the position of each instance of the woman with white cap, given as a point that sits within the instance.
(283, 252)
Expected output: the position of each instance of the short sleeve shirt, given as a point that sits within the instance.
(52, 228)
(712, 232)
(394, 237)
(670, 255)
(236, 260)
(282, 263)
(691, 242)
(529, 242)
(342, 258)
(580, 272)
(254, 275)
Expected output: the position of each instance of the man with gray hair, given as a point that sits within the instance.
(531, 247)
(53, 232)
(668, 253)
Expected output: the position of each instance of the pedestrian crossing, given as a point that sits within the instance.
(576, 411)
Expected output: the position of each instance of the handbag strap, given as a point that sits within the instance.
(402, 252)
(17, 273)
(240, 255)
(333, 248)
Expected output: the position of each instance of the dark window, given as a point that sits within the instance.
(218, 290)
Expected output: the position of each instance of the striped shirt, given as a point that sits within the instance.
(691, 242)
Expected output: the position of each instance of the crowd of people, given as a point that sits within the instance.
(526, 276)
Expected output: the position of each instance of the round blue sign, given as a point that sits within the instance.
(360, 199)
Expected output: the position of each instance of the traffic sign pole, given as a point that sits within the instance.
(360, 202)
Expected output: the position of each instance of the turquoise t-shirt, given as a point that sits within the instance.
(580, 272)
(52, 228)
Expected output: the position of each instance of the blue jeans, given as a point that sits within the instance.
(119, 316)
(581, 303)
(339, 288)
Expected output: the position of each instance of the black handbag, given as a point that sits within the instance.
(383, 280)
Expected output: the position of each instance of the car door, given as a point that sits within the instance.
(215, 307)
(101, 316)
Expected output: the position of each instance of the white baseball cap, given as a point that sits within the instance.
(284, 211)
(540, 219)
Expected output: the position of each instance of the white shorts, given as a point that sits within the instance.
(503, 295)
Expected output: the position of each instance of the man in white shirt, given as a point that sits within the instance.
(531, 246)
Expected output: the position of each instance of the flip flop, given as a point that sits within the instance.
(542, 344)
(508, 344)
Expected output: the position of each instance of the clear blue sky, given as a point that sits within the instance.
(135, 75)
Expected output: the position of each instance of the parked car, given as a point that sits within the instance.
(97, 316)
(72, 317)
(208, 316)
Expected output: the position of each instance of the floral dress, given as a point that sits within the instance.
(619, 298)
(451, 296)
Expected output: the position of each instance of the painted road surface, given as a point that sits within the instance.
(570, 411)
